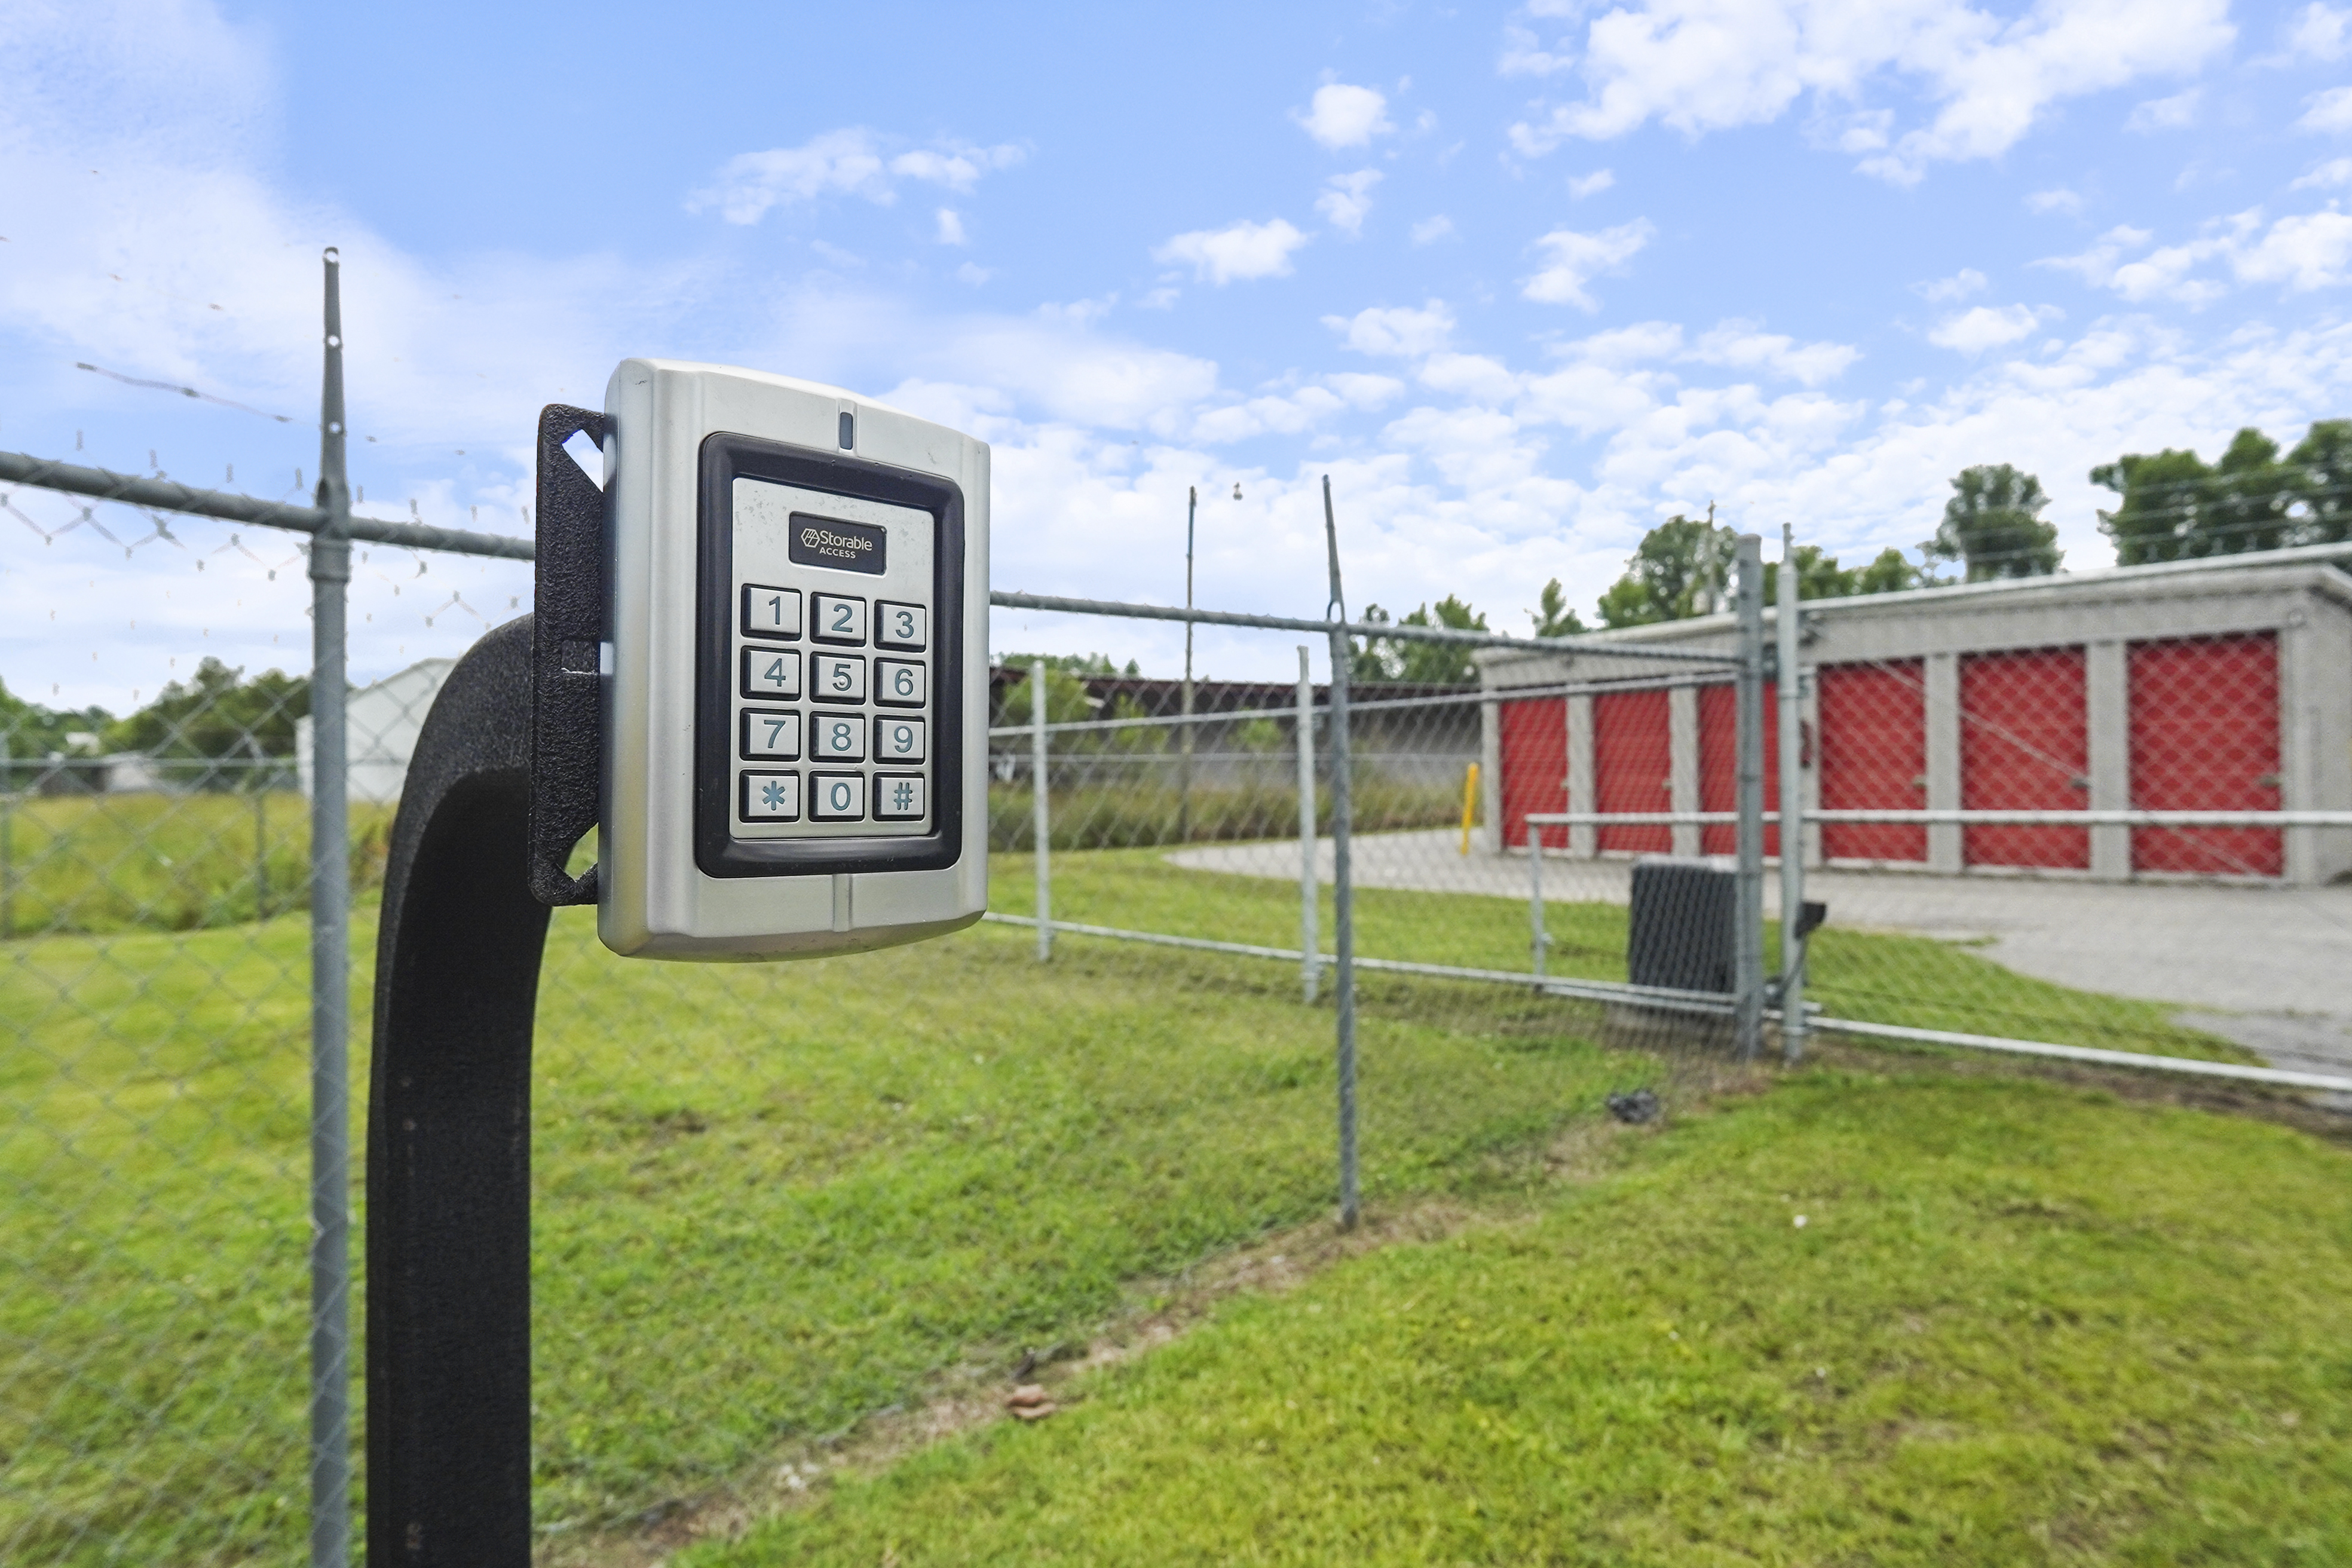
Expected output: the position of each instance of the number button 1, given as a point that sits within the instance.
(768, 672)
(771, 612)
(900, 625)
(899, 683)
(837, 618)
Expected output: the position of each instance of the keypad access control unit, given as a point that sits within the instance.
(796, 717)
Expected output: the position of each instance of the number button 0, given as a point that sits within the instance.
(772, 735)
(897, 683)
(837, 797)
(836, 678)
(898, 740)
(771, 612)
(768, 672)
(900, 625)
(837, 738)
(837, 618)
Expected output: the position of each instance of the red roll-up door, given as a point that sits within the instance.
(1633, 764)
(1718, 764)
(2025, 746)
(1535, 767)
(2205, 737)
(1873, 757)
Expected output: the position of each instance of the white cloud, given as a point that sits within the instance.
(1395, 330)
(2302, 251)
(974, 274)
(1430, 230)
(1741, 346)
(2060, 200)
(1697, 65)
(849, 161)
(2335, 172)
(1347, 201)
(2320, 33)
(2175, 113)
(2307, 251)
(1285, 414)
(1986, 327)
(1480, 378)
(2329, 110)
(1591, 185)
(1968, 280)
(1344, 116)
(950, 227)
(1524, 54)
(1573, 260)
(1362, 389)
(1243, 251)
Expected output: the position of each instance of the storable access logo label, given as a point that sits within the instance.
(843, 546)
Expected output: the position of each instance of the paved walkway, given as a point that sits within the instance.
(2268, 967)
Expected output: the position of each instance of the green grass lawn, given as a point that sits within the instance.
(2021, 1323)
(773, 1199)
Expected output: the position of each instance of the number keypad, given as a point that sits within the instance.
(834, 667)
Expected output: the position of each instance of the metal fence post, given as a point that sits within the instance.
(1538, 938)
(1040, 813)
(330, 870)
(1792, 808)
(1309, 938)
(1748, 928)
(1343, 902)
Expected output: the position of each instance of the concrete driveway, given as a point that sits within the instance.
(2268, 967)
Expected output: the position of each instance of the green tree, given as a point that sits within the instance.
(1819, 575)
(1381, 660)
(30, 730)
(1551, 615)
(1891, 573)
(2177, 507)
(1681, 568)
(1066, 701)
(1994, 524)
(216, 713)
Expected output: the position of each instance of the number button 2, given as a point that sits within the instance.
(897, 683)
(768, 672)
(900, 625)
(837, 618)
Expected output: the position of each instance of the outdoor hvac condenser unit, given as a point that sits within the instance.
(1680, 936)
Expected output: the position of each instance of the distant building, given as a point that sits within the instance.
(384, 721)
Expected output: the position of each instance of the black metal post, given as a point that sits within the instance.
(448, 1157)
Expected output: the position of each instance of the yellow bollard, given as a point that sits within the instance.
(1469, 805)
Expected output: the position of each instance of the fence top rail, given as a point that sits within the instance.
(170, 495)
(1972, 818)
(1470, 697)
(1448, 635)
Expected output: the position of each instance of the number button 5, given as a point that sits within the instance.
(836, 678)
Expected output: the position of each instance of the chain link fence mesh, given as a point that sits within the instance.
(774, 1202)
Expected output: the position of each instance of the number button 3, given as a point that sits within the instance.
(900, 625)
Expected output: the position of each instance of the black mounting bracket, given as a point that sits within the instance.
(570, 625)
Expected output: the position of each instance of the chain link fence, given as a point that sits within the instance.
(1259, 951)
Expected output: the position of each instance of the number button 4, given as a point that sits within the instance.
(899, 683)
(837, 618)
(900, 625)
(770, 673)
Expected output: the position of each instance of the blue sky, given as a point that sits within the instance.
(1522, 280)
